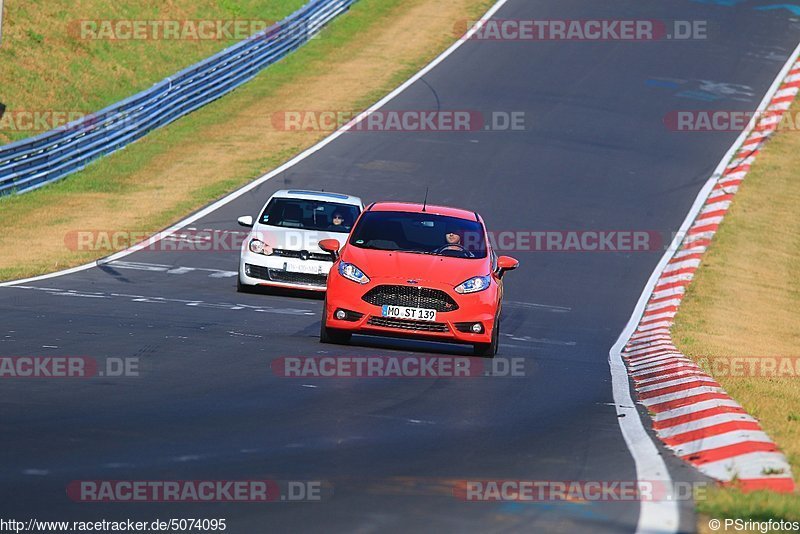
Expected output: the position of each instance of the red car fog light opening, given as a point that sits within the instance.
(347, 315)
(470, 328)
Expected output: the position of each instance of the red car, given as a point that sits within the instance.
(420, 271)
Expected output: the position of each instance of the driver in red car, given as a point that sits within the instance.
(453, 241)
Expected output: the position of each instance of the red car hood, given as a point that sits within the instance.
(382, 264)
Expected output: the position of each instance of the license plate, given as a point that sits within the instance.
(402, 312)
(304, 268)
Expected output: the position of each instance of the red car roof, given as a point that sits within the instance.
(417, 208)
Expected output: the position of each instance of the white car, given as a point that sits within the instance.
(282, 249)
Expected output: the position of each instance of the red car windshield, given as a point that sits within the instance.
(421, 233)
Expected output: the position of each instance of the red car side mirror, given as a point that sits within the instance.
(330, 245)
(506, 263)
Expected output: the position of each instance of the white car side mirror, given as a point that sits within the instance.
(246, 221)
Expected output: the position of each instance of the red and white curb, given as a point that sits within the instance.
(692, 415)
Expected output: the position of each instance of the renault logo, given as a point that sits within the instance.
(304, 255)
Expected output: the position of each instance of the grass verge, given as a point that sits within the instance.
(745, 302)
(52, 62)
(180, 168)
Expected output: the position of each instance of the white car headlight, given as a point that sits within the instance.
(259, 247)
(351, 272)
(474, 284)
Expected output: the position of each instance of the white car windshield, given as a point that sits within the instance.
(310, 215)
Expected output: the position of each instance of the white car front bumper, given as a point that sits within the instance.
(280, 271)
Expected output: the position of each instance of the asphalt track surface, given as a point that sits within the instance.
(595, 156)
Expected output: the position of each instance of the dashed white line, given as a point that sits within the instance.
(143, 299)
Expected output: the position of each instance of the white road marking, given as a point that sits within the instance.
(545, 341)
(169, 269)
(243, 334)
(188, 458)
(137, 266)
(162, 300)
(721, 440)
(695, 407)
(71, 293)
(181, 270)
(751, 465)
(677, 382)
(406, 419)
(535, 306)
(705, 422)
(683, 394)
(36, 472)
(677, 374)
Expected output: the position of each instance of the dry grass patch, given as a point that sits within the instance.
(48, 63)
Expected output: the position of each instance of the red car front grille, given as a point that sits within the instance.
(405, 324)
(412, 297)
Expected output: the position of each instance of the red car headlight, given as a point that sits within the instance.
(474, 284)
(351, 272)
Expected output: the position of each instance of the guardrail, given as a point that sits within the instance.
(31, 163)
